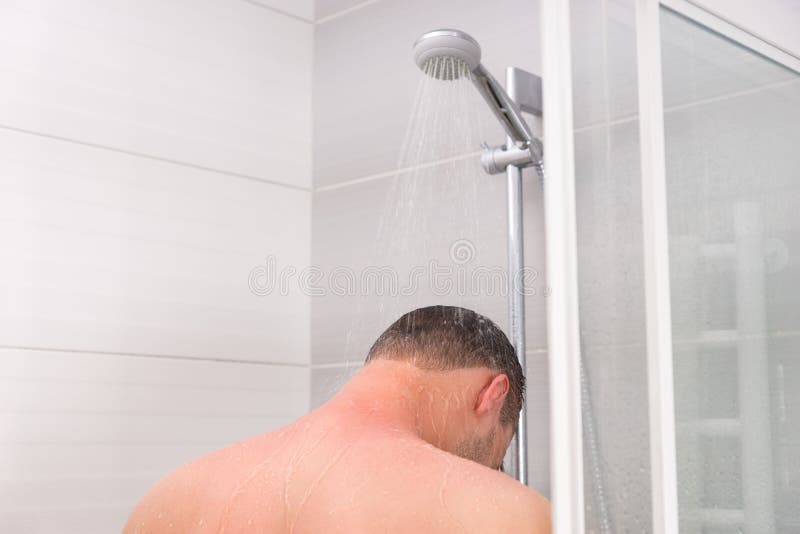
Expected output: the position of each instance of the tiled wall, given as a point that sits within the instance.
(364, 85)
(151, 155)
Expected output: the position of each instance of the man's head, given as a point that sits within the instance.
(447, 338)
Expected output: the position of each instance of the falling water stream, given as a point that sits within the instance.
(442, 217)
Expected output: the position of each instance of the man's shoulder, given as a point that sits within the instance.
(503, 504)
(483, 499)
(507, 493)
(187, 493)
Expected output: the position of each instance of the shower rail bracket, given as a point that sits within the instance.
(495, 160)
(526, 89)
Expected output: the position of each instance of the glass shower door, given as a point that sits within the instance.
(732, 132)
(731, 125)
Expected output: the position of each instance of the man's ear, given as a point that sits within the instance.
(493, 395)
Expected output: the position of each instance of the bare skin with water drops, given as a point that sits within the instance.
(413, 443)
(374, 459)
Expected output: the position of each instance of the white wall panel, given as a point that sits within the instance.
(151, 155)
(213, 83)
(103, 251)
(328, 8)
(82, 437)
(345, 235)
(303, 9)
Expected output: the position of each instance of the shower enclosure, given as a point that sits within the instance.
(672, 231)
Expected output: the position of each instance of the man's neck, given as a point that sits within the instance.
(430, 405)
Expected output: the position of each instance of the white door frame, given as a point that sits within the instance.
(655, 236)
(563, 333)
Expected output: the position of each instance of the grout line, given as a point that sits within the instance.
(37, 508)
(155, 158)
(118, 442)
(127, 383)
(336, 365)
(745, 92)
(73, 475)
(605, 124)
(278, 11)
(690, 340)
(159, 356)
(233, 414)
(679, 107)
(346, 11)
(395, 172)
(359, 363)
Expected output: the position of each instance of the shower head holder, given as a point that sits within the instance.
(522, 149)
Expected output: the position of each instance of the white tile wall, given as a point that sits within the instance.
(345, 236)
(104, 251)
(201, 82)
(85, 435)
(537, 404)
(151, 155)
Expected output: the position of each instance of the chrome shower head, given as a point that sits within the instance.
(444, 54)
(454, 46)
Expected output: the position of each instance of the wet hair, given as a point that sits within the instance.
(445, 338)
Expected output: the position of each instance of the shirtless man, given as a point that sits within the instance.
(413, 443)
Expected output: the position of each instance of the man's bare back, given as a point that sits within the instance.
(328, 473)
(412, 443)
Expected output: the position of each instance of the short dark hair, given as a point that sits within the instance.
(445, 338)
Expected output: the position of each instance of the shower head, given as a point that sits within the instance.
(453, 44)
(461, 49)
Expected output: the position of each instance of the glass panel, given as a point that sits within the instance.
(732, 127)
(610, 269)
